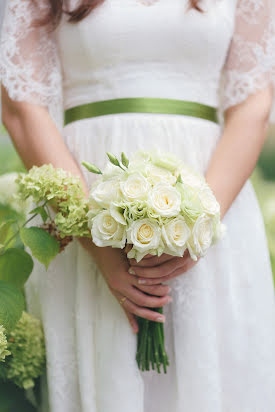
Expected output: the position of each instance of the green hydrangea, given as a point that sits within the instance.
(28, 355)
(63, 191)
(8, 191)
(3, 345)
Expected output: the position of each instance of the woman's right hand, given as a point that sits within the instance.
(113, 265)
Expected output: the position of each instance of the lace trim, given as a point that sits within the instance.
(250, 66)
(249, 10)
(29, 61)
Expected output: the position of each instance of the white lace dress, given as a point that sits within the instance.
(220, 327)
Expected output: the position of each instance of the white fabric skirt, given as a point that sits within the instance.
(220, 328)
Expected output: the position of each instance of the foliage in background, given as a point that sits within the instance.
(265, 190)
(27, 346)
(15, 267)
(267, 157)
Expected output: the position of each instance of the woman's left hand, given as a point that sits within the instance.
(153, 270)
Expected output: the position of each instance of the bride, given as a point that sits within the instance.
(206, 59)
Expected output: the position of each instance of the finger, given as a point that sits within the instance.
(178, 272)
(153, 261)
(158, 271)
(148, 256)
(132, 319)
(127, 248)
(142, 299)
(143, 312)
(155, 290)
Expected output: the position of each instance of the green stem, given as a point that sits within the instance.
(144, 344)
(18, 231)
(49, 212)
(149, 350)
(156, 349)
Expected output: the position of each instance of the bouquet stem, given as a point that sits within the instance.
(151, 353)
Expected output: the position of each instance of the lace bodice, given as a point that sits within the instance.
(227, 51)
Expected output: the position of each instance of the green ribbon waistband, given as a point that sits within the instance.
(141, 105)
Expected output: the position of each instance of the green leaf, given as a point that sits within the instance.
(9, 234)
(15, 267)
(124, 159)
(40, 210)
(7, 213)
(44, 247)
(5, 228)
(92, 168)
(113, 159)
(12, 304)
(179, 179)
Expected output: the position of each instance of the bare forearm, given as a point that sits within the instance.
(36, 137)
(239, 147)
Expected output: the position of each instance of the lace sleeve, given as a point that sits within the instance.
(250, 64)
(29, 61)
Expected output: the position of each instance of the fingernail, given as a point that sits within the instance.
(160, 319)
(169, 299)
(169, 290)
(131, 271)
(141, 281)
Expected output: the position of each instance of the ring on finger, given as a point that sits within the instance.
(122, 300)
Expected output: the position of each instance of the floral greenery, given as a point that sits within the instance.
(61, 190)
(7, 194)
(3, 345)
(26, 345)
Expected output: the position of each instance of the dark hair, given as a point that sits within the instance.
(57, 9)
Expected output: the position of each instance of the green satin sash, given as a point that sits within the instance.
(141, 105)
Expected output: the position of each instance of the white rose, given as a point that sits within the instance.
(111, 171)
(202, 236)
(165, 160)
(220, 232)
(157, 174)
(193, 180)
(175, 235)
(106, 231)
(165, 200)
(106, 192)
(135, 187)
(209, 202)
(144, 235)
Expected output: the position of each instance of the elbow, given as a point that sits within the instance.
(259, 106)
(14, 113)
(265, 103)
(254, 111)
(10, 109)
(7, 117)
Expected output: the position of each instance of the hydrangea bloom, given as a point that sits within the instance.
(8, 191)
(28, 356)
(3, 345)
(63, 191)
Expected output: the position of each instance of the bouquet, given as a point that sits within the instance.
(153, 202)
(157, 204)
